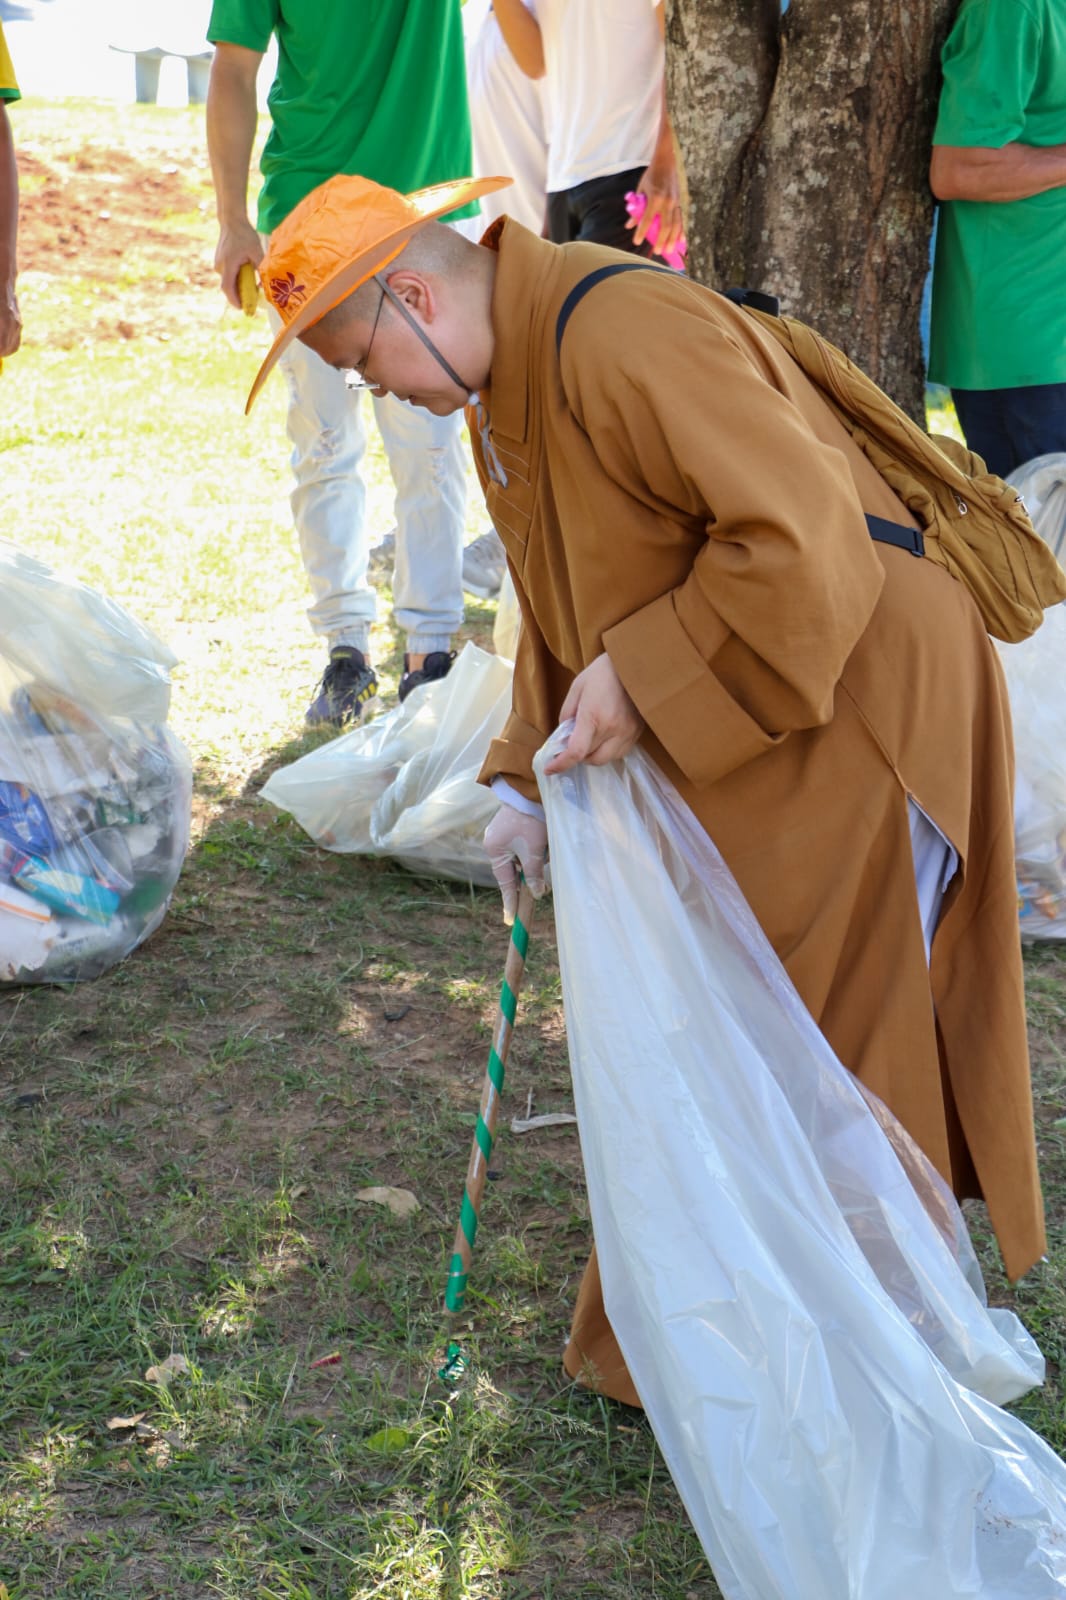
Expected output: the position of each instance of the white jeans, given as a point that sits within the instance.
(327, 426)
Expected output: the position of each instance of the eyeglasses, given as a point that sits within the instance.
(354, 381)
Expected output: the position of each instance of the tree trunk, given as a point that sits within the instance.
(805, 140)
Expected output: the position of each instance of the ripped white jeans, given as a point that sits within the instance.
(427, 459)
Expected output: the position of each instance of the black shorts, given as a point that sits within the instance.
(595, 212)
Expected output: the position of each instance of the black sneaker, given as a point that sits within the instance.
(437, 665)
(345, 689)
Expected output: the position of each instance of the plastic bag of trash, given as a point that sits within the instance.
(1036, 673)
(1042, 485)
(95, 792)
(406, 784)
(812, 1347)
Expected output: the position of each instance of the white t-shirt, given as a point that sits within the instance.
(603, 77)
(507, 121)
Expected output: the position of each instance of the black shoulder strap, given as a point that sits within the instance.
(904, 538)
(741, 297)
(589, 281)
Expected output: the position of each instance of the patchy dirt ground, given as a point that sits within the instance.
(107, 219)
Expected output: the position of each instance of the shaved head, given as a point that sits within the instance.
(435, 250)
(420, 328)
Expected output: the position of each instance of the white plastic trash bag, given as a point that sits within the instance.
(406, 784)
(813, 1350)
(1035, 671)
(84, 645)
(1042, 485)
(95, 792)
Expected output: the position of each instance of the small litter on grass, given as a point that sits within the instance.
(174, 1366)
(28, 1100)
(332, 1360)
(401, 1202)
(389, 1441)
(454, 1364)
(549, 1119)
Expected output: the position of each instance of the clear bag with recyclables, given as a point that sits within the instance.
(95, 792)
(1042, 485)
(405, 785)
(1035, 671)
(810, 1341)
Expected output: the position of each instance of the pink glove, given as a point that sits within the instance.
(511, 836)
(635, 205)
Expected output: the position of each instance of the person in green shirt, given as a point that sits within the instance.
(10, 318)
(377, 90)
(998, 330)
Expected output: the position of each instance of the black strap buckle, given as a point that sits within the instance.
(896, 533)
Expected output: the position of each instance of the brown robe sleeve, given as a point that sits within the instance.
(682, 413)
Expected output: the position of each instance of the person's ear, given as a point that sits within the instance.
(415, 292)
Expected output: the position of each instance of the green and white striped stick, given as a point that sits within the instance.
(485, 1132)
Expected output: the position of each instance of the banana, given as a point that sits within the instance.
(248, 289)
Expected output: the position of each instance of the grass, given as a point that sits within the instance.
(183, 1142)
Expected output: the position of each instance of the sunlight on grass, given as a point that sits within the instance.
(940, 414)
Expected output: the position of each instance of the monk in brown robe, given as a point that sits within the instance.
(686, 524)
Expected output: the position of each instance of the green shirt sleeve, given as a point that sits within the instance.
(990, 61)
(245, 22)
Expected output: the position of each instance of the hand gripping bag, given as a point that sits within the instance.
(405, 785)
(95, 792)
(812, 1347)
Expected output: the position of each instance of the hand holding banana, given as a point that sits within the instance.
(248, 289)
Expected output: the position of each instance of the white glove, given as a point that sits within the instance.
(511, 836)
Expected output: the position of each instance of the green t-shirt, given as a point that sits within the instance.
(374, 87)
(999, 311)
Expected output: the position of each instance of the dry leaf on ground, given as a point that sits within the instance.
(116, 1424)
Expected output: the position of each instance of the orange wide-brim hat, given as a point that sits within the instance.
(339, 236)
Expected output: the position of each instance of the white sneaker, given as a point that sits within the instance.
(484, 564)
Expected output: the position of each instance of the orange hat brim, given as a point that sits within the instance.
(440, 199)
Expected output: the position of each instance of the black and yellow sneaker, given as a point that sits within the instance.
(345, 689)
(437, 665)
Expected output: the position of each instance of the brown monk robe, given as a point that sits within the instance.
(678, 494)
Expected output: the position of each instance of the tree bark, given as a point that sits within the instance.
(805, 140)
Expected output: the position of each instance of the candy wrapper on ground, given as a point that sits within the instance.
(791, 1284)
(405, 785)
(95, 792)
